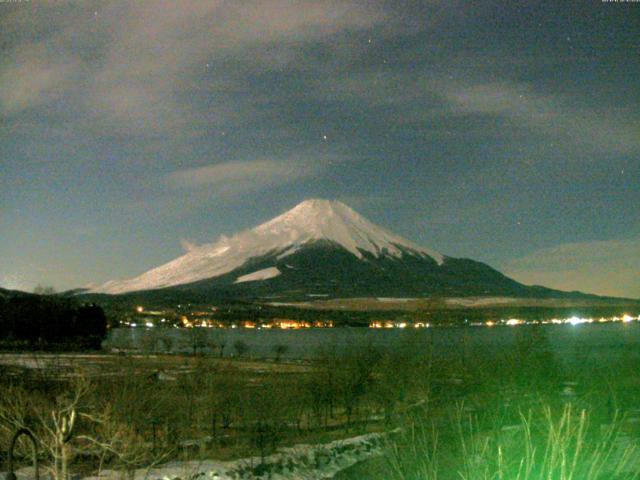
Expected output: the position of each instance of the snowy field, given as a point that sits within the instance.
(320, 461)
(302, 461)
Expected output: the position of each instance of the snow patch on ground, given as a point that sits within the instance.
(263, 274)
(320, 461)
(394, 300)
(479, 301)
(290, 304)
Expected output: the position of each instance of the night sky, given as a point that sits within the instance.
(507, 132)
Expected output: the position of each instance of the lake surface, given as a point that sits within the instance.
(572, 343)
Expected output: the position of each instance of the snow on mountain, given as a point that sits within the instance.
(263, 274)
(309, 221)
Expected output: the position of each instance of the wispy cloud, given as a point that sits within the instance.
(241, 176)
(140, 67)
(603, 267)
(29, 77)
(554, 115)
(424, 96)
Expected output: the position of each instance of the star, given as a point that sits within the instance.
(324, 137)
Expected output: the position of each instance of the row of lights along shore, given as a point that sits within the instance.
(377, 324)
(513, 322)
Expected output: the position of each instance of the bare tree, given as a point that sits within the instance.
(198, 339)
(240, 347)
(74, 424)
(53, 428)
(167, 342)
(150, 340)
(219, 339)
(280, 349)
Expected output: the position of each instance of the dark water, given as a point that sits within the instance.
(569, 342)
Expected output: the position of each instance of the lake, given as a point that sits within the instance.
(572, 343)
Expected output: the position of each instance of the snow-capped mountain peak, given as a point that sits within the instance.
(318, 219)
(311, 220)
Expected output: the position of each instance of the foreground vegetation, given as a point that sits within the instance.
(517, 413)
(133, 411)
(523, 416)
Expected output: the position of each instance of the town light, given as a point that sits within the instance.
(577, 320)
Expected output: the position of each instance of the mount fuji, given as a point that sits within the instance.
(320, 248)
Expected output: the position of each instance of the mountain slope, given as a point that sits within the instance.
(324, 269)
(319, 249)
(310, 221)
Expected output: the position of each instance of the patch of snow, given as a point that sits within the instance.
(219, 251)
(320, 461)
(289, 304)
(310, 221)
(394, 300)
(263, 274)
(479, 301)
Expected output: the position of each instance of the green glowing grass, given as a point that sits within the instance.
(541, 445)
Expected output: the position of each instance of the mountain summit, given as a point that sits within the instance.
(311, 221)
(320, 248)
(318, 219)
